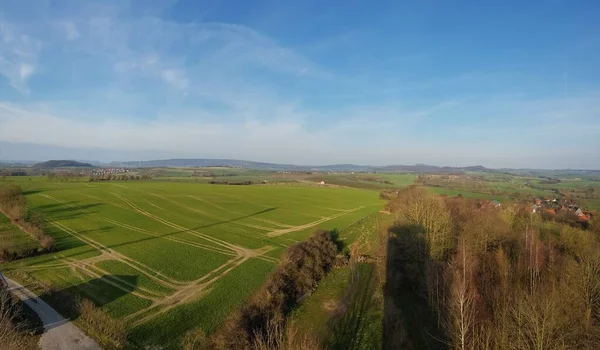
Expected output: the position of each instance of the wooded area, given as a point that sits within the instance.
(489, 278)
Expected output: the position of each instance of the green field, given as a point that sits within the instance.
(366, 181)
(12, 238)
(336, 315)
(168, 257)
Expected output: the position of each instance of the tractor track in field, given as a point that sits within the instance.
(301, 203)
(238, 249)
(95, 272)
(187, 294)
(144, 231)
(310, 224)
(101, 247)
(173, 239)
(264, 205)
(214, 205)
(103, 201)
(184, 292)
(146, 270)
(220, 218)
(241, 251)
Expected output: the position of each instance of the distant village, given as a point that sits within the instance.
(109, 171)
(550, 208)
(553, 206)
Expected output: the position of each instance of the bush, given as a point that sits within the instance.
(298, 274)
(101, 323)
(13, 204)
(16, 331)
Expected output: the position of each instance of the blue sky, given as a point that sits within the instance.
(496, 83)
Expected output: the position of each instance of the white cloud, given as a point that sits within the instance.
(276, 140)
(176, 78)
(71, 31)
(246, 95)
(25, 72)
(360, 138)
(18, 54)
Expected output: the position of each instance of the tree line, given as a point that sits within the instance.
(261, 322)
(223, 182)
(487, 278)
(13, 205)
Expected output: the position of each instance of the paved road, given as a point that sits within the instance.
(59, 333)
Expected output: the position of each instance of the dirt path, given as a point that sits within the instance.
(59, 333)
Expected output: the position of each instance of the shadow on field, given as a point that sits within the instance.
(65, 241)
(63, 211)
(30, 192)
(100, 291)
(350, 327)
(408, 321)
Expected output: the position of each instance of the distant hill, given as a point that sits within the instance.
(17, 163)
(203, 163)
(62, 164)
(424, 168)
(418, 168)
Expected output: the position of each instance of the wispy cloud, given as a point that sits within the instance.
(176, 78)
(120, 77)
(18, 56)
(70, 30)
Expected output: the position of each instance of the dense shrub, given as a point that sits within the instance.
(298, 274)
(13, 205)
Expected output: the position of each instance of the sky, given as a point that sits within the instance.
(443, 82)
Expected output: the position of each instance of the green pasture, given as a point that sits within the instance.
(128, 245)
(12, 238)
(356, 181)
(361, 322)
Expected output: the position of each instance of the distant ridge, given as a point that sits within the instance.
(62, 164)
(290, 167)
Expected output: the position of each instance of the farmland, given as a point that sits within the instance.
(169, 257)
(12, 238)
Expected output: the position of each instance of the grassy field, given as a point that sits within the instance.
(584, 191)
(372, 181)
(12, 238)
(342, 313)
(169, 257)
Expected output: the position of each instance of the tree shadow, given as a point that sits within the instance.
(63, 211)
(100, 291)
(409, 321)
(65, 241)
(352, 327)
(30, 192)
